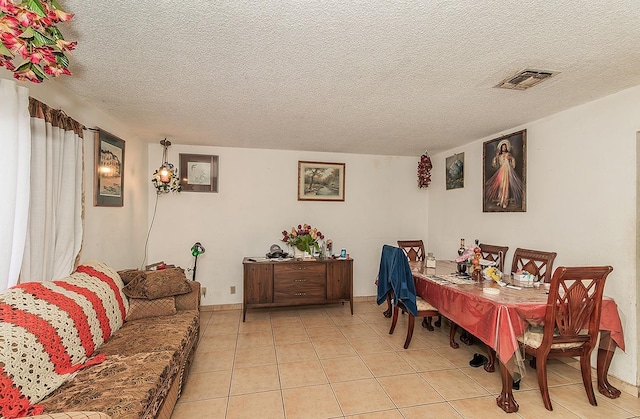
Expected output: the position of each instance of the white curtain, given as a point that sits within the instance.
(54, 235)
(14, 161)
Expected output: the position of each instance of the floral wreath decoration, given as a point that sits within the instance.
(173, 185)
(28, 29)
(424, 171)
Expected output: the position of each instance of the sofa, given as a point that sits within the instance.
(91, 346)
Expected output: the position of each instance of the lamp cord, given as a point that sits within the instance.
(146, 243)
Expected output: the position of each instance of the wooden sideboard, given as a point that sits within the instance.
(291, 283)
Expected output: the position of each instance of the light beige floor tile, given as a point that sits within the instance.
(357, 331)
(372, 316)
(460, 357)
(425, 360)
(304, 373)
(213, 361)
(431, 411)
(216, 329)
(310, 402)
(361, 396)
(479, 408)
(491, 381)
(532, 406)
(205, 316)
(258, 405)
(366, 346)
(226, 316)
(333, 348)
(254, 379)
(344, 319)
(261, 325)
(574, 398)
(453, 384)
(206, 385)
(312, 311)
(217, 343)
(255, 339)
(295, 352)
(409, 390)
(324, 333)
(253, 315)
(387, 364)
(625, 401)
(278, 322)
(439, 338)
(280, 312)
(317, 321)
(385, 414)
(212, 408)
(569, 373)
(254, 357)
(345, 369)
(286, 336)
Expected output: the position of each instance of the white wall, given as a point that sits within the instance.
(257, 199)
(581, 201)
(113, 235)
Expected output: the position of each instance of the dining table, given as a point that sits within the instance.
(497, 315)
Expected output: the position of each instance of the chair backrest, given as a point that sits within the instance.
(573, 307)
(535, 262)
(496, 254)
(414, 249)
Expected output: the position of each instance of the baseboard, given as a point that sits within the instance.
(221, 307)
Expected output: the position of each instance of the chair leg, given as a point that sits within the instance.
(388, 311)
(542, 382)
(426, 323)
(438, 322)
(412, 321)
(394, 320)
(585, 367)
(452, 336)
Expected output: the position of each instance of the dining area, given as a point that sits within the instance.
(517, 323)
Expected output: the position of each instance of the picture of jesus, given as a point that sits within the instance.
(504, 174)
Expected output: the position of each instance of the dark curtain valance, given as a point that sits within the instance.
(56, 117)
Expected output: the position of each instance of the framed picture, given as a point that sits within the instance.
(198, 173)
(320, 181)
(504, 173)
(454, 171)
(108, 178)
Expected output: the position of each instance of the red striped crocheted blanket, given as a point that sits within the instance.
(49, 330)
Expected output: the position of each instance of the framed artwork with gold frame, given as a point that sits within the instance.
(319, 181)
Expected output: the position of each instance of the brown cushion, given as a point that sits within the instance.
(129, 275)
(140, 308)
(158, 284)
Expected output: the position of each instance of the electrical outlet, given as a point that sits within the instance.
(203, 291)
(232, 289)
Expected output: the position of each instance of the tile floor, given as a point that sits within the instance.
(321, 362)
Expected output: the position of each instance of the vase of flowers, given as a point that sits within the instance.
(303, 239)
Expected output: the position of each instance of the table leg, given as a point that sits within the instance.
(505, 400)
(605, 354)
(452, 336)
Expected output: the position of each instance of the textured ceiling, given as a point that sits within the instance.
(371, 77)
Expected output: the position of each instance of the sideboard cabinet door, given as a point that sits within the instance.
(339, 280)
(258, 283)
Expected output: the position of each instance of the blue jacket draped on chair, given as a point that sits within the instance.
(395, 275)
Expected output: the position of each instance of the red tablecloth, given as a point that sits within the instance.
(498, 320)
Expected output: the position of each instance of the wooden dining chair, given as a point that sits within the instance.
(492, 253)
(571, 323)
(424, 310)
(414, 249)
(536, 262)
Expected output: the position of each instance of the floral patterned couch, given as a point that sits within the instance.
(136, 371)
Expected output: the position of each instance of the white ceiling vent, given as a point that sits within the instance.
(525, 79)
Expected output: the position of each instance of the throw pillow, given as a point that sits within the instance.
(158, 284)
(129, 275)
(140, 308)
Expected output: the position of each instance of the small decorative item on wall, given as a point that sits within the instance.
(108, 178)
(320, 181)
(199, 173)
(504, 168)
(454, 171)
(424, 170)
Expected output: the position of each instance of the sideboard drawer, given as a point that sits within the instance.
(299, 289)
(300, 270)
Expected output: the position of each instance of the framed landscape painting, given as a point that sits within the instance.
(454, 171)
(199, 173)
(108, 178)
(504, 173)
(319, 181)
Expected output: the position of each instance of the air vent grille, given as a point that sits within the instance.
(526, 79)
